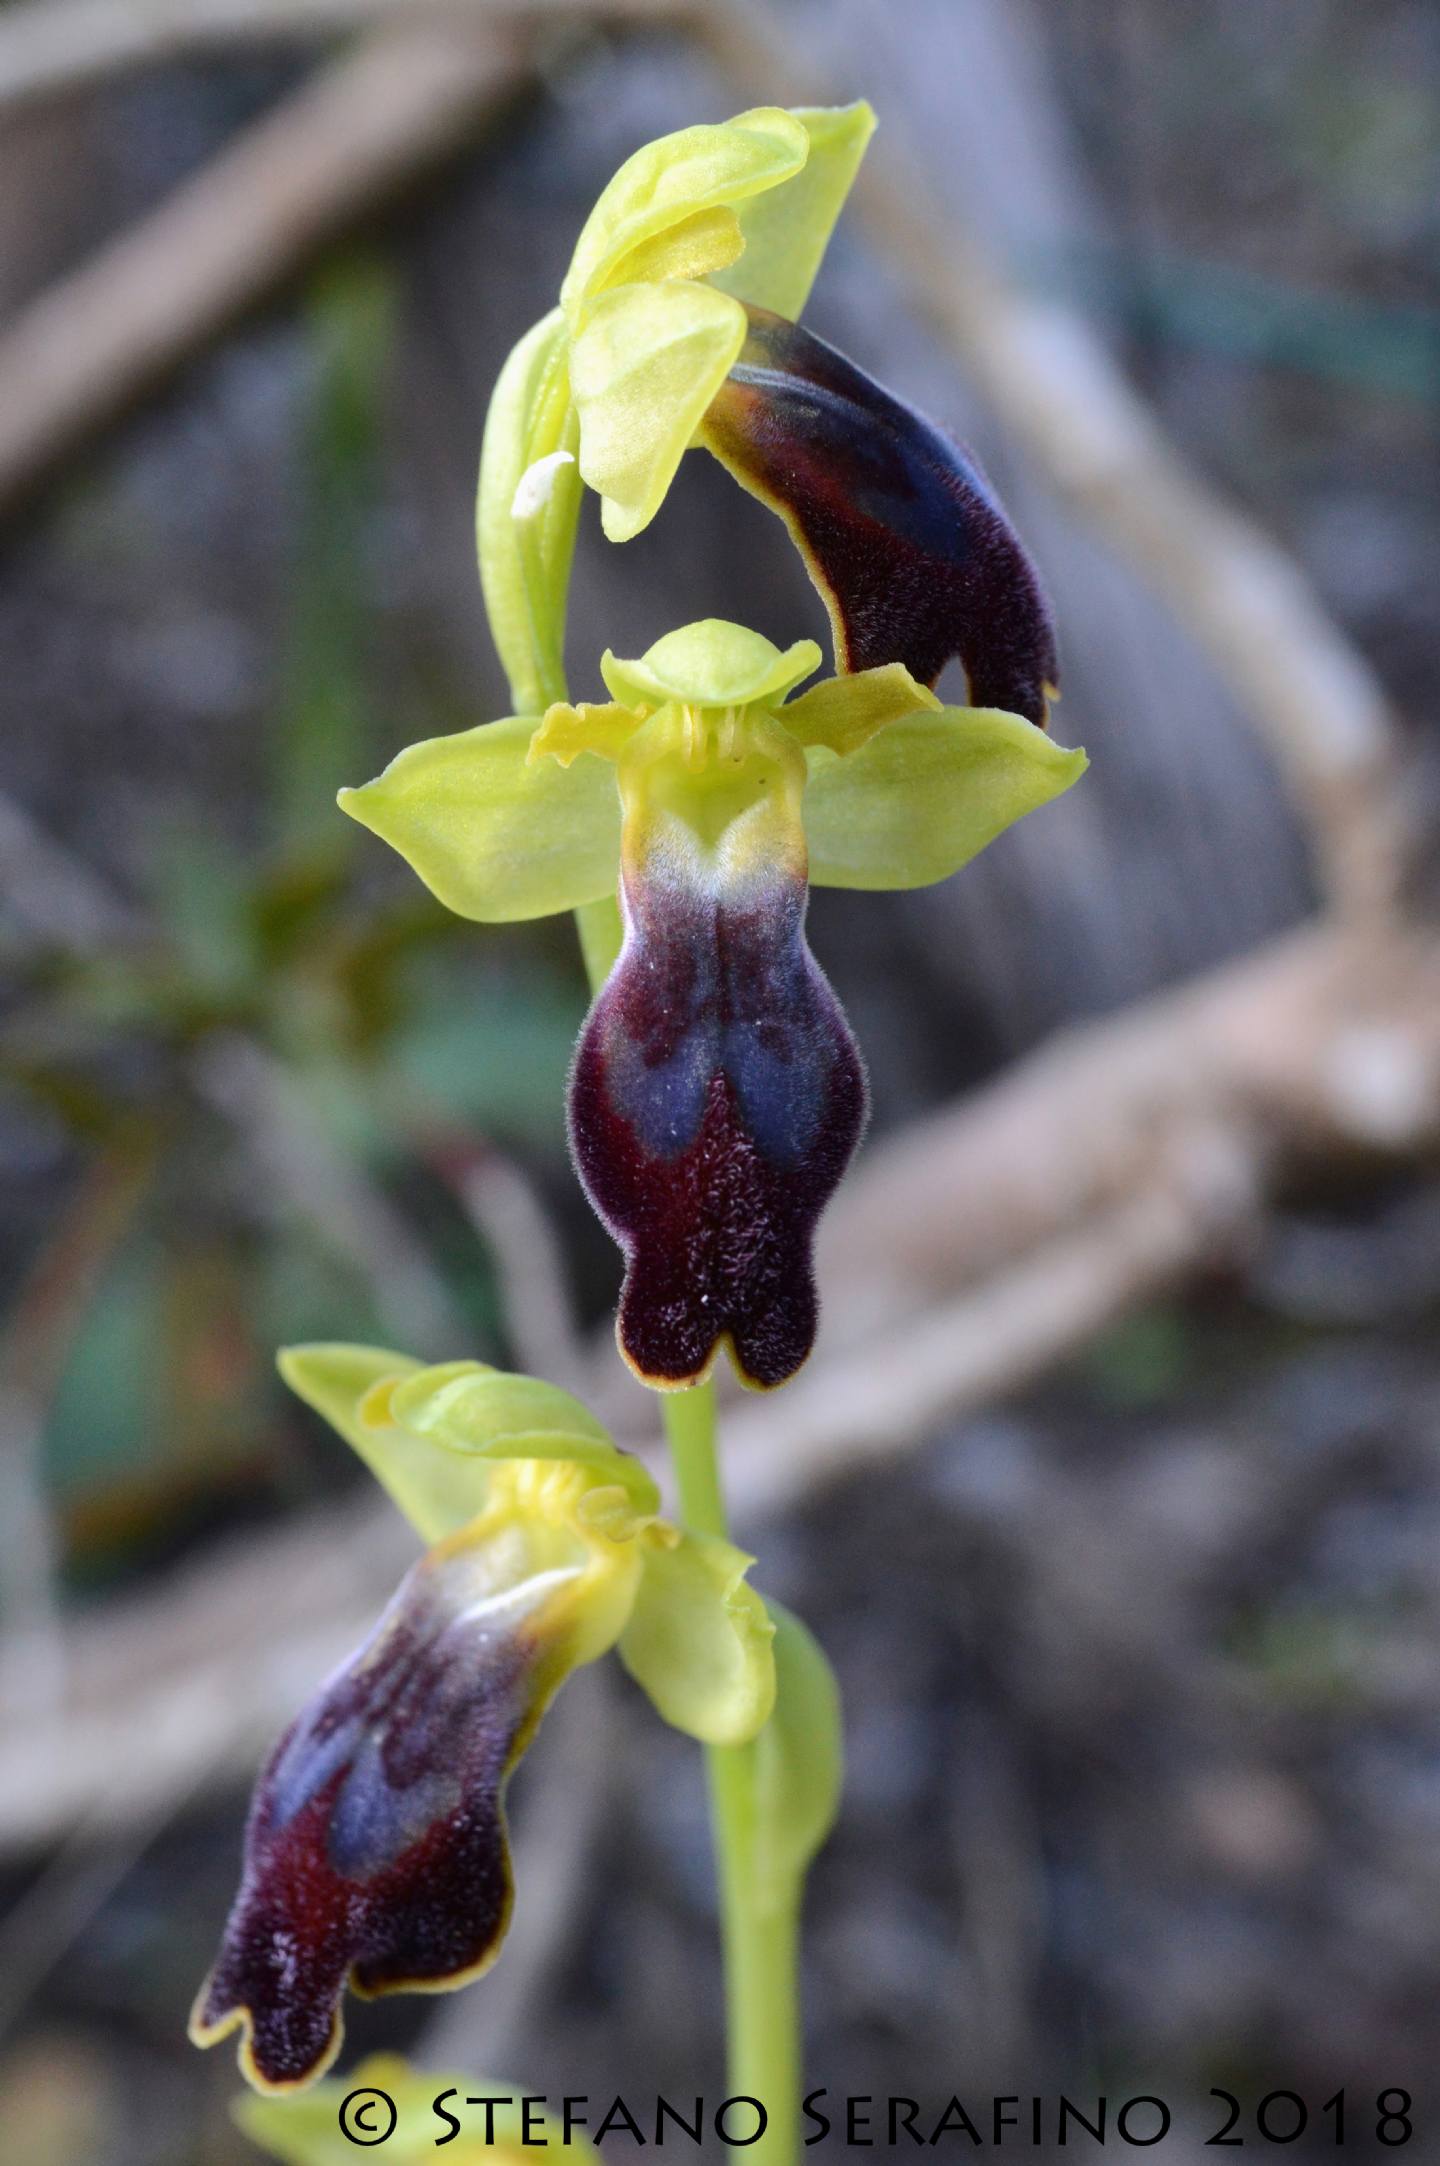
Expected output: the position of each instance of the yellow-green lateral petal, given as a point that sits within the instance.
(568, 731)
(844, 713)
(708, 241)
(336, 1378)
(642, 372)
(698, 1640)
(710, 664)
(665, 183)
(927, 794)
(491, 1414)
(495, 837)
(525, 558)
(350, 1385)
(787, 229)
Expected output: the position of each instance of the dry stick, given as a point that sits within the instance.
(48, 47)
(988, 1241)
(1054, 384)
(308, 1173)
(51, 46)
(38, 1931)
(345, 143)
(205, 1667)
(896, 1390)
(541, 1327)
(1319, 1036)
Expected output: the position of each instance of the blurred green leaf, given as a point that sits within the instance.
(1142, 1359)
(498, 1057)
(324, 727)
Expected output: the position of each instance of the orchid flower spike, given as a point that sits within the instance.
(717, 1094)
(376, 1853)
(676, 326)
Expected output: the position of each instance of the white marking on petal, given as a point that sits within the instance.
(533, 489)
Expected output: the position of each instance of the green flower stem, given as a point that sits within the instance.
(691, 1426)
(760, 1932)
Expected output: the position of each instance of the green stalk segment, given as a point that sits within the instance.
(759, 1911)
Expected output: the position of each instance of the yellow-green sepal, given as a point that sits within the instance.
(787, 229)
(710, 664)
(525, 530)
(431, 1435)
(926, 794)
(481, 1414)
(348, 1385)
(673, 182)
(306, 2129)
(799, 1763)
(493, 835)
(643, 368)
(698, 1640)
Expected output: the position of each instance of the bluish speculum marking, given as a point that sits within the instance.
(376, 1852)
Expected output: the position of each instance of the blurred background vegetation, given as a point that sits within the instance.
(1142, 1665)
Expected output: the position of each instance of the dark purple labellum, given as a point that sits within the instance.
(375, 1854)
(898, 526)
(716, 1099)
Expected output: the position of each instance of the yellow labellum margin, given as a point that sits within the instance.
(376, 1854)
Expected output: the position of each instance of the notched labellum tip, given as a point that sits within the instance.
(376, 1855)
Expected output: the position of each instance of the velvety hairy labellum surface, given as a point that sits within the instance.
(903, 534)
(375, 1853)
(716, 1099)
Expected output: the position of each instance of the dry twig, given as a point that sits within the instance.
(343, 145)
(1323, 1041)
(49, 47)
(982, 1244)
(204, 1668)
